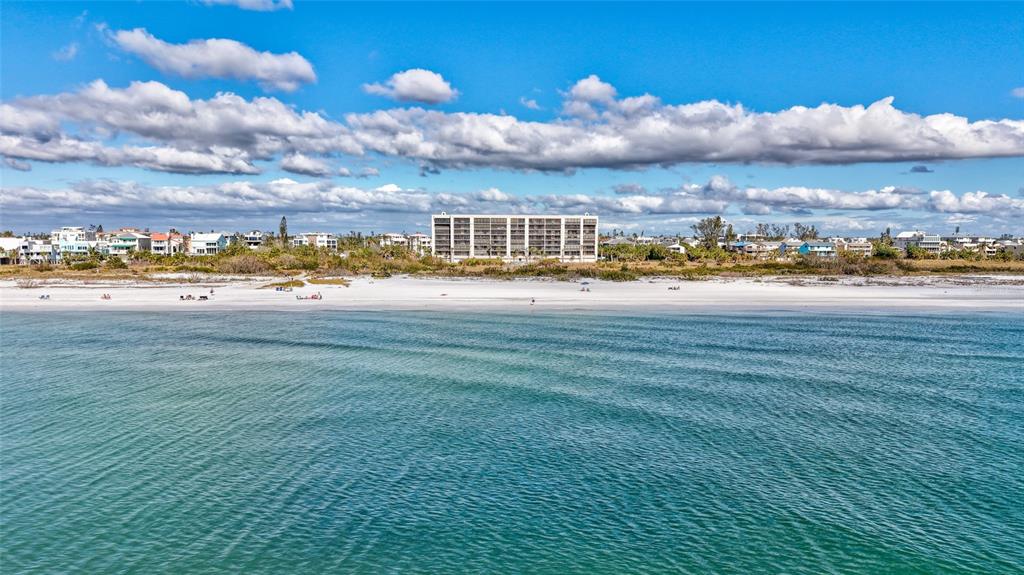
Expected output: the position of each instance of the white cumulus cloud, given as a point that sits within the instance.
(218, 58)
(415, 85)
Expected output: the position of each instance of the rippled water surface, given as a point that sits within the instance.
(440, 443)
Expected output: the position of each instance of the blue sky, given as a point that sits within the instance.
(965, 60)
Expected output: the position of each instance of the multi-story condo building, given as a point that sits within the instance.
(514, 237)
(316, 239)
(74, 240)
(930, 243)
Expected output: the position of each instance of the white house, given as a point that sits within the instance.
(418, 243)
(128, 242)
(254, 239)
(858, 246)
(204, 244)
(37, 251)
(10, 250)
(930, 243)
(316, 239)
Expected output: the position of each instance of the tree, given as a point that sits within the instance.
(730, 235)
(708, 231)
(881, 249)
(917, 253)
(805, 232)
(284, 231)
(763, 231)
(779, 231)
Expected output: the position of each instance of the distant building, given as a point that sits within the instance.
(74, 241)
(928, 242)
(761, 250)
(618, 241)
(858, 246)
(38, 251)
(254, 239)
(167, 244)
(817, 248)
(204, 244)
(127, 242)
(515, 237)
(10, 251)
(317, 240)
(417, 243)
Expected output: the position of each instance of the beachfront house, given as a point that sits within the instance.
(930, 243)
(204, 244)
(817, 248)
(761, 250)
(254, 239)
(167, 244)
(125, 243)
(514, 237)
(10, 250)
(855, 246)
(417, 243)
(790, 247)
(74, 240)
(38, 251)
(317, 240)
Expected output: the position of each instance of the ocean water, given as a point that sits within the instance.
(490, 443)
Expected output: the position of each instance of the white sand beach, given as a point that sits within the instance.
(865, 294)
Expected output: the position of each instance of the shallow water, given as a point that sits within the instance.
(427, 442)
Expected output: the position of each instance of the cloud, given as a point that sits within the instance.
(305, 165)
(1017, 92)
(639, 132)
(66, 53)
(99, 124)
(529, 103)
(979, 202)
(493, 195)
(921, 170)
(367, 172)
(629, 189)
(256, 5)
(217, 58)
(223, 134)
(17, 165)
(415, 85)
(592, 89)
(238, 200)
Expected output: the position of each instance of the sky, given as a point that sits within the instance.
(228, 114)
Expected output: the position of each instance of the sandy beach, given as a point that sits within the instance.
(404, 293)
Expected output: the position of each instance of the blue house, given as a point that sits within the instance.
(820, 249)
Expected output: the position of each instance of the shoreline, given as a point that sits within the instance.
(959, 293)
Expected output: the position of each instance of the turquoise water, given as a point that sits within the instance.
(439, 443)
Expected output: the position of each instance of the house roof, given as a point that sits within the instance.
(207, 237)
